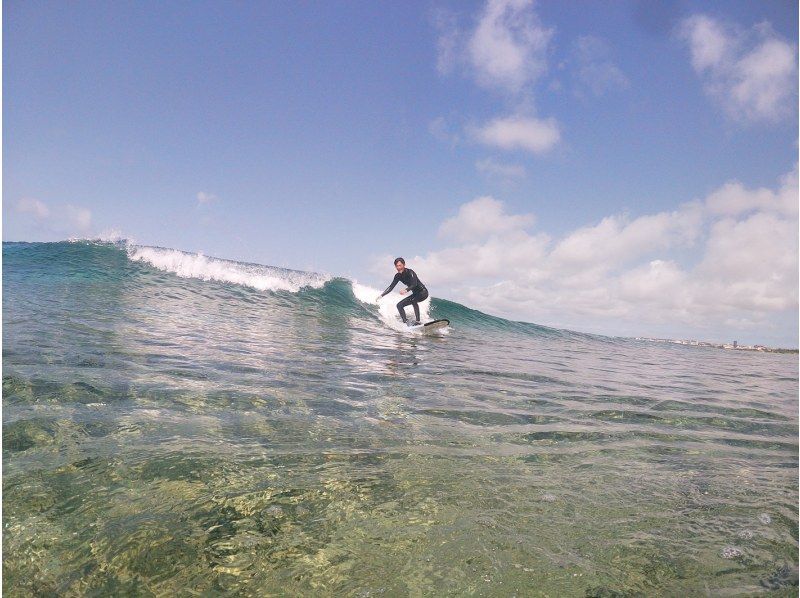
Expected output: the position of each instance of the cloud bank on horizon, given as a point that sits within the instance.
(727, 262)
(628, 274)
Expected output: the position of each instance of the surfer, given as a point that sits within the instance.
(418, 291)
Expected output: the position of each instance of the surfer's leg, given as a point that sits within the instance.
(415, 299)
(401, 307)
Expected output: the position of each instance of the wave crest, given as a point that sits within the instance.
(197, 265)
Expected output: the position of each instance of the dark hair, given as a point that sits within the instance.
(399, 259)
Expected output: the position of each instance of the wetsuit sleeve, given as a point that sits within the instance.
(391, 286)
(413, 281)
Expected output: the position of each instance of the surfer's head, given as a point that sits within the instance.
(400, 264)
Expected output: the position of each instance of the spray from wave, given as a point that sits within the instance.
(387, 309)
(207, 268)
(197, 265)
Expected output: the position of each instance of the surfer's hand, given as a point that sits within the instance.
(378, 298)
(403, 292)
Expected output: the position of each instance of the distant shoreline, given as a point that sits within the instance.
(731, 347)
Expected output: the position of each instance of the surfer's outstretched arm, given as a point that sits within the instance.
(391, 286)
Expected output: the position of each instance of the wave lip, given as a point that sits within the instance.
(197, 265)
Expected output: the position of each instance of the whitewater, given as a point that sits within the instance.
(175, 423)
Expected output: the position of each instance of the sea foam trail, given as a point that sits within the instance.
(387, 306)
(197, 265)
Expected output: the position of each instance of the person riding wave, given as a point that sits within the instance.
(418, 291)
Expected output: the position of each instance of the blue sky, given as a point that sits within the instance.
(331, 135)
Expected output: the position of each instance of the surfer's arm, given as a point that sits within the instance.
(391, 286)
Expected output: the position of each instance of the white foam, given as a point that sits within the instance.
(112, 235)
(387, 307)
(197, 265)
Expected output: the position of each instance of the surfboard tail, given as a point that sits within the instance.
(436, 324)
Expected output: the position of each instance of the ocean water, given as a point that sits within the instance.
(179, 425)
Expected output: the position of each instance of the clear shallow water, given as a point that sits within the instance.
(165, 434)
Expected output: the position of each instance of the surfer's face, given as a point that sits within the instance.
(400, 267)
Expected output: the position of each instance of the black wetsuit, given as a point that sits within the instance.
(413, 284)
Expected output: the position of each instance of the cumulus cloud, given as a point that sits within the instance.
(655, 283)
(38, 209)
(733, 198)
(58, 218)
(508, 47)
(505, 52)
(752, 74)
(618, 239)
(725, 264)
(519, 133)
(751, 264)
(480, 218)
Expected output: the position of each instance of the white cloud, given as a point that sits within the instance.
(519, 133)
(751, 264)
(656, 283)
(617, 239)
(491, 167)
(709, 43)
(753, 74)
(480, 218)
(491, 260)
(38, 209)
(766, 78)
(508, 47)
(59, 218)
(733, 198)
(505, 52)
(721, 266)
(204, 198)
(595, 70)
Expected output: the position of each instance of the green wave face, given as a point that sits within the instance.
(179, 424)
(125, 265)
